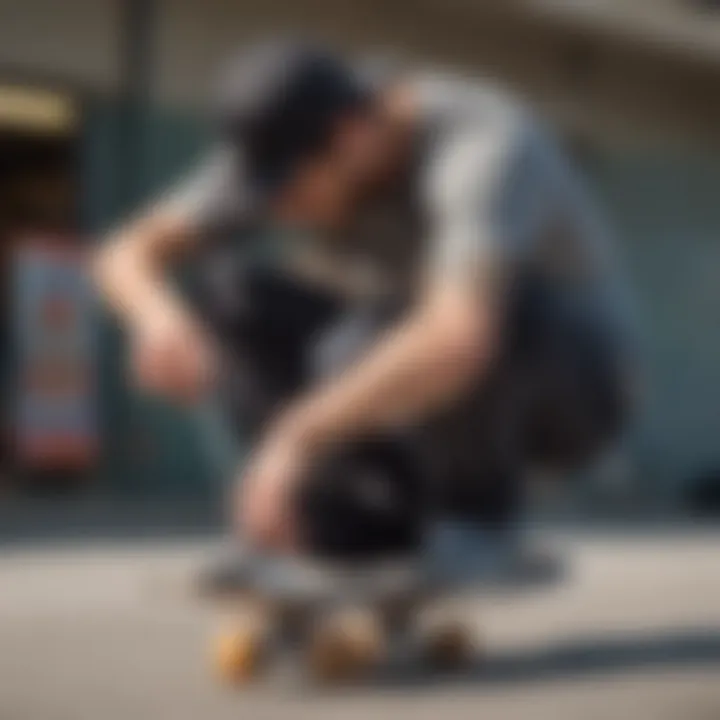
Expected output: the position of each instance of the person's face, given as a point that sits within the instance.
(327, 190)
(364, 151)
(315, 199)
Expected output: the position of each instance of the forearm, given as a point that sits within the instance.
(415, 370)
(129, 270)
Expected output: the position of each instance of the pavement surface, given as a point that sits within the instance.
(100, 630)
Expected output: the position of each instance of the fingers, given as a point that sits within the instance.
(180, 365)
(263, 514)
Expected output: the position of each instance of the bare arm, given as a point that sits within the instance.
(130, 267)
(170, 353)
(420, 366)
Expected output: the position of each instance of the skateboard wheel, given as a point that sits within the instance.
(398, 615)
(448, 646)
(346, 649)
(240, 655)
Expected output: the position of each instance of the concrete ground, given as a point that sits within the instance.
(98, 630)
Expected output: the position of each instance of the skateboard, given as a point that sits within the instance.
(336, 624)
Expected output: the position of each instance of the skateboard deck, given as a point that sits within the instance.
(338, 624)
(341, 623)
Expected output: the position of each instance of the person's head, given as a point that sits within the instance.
(312, 134)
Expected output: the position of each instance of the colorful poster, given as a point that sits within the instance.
(55, 377)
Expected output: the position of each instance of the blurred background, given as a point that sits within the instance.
(101, 105)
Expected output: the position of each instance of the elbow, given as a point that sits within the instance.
(466, 351)
(124, 251)
(100, 264)
(466, 343)
(106, 260)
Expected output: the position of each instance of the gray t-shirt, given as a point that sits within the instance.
(490, 195)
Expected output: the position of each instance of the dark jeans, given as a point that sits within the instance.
(551, 397)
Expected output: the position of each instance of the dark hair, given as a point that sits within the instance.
(280, 101)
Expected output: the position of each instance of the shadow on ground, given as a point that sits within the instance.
(576, 659)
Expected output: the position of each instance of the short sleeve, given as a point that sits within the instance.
(213, 198)
(483, 195)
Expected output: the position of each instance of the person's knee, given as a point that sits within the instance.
(575, 425)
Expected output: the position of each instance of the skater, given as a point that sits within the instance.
(404, 295)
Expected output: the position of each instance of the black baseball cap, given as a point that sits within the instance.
(279, 102)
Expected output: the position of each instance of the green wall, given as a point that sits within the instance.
(666, 206)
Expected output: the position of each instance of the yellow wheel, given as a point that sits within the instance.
(240, 654)
(346, 648)
(448, 646)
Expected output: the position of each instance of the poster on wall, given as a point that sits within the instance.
(55, 380)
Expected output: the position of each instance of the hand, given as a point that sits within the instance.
(171, 355)
(266, 492)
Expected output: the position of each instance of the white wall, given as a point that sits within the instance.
(75, 40)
